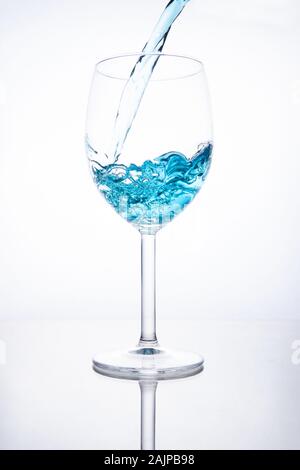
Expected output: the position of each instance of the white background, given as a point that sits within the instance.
(234, 253)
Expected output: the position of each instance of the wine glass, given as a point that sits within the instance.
(158, 171)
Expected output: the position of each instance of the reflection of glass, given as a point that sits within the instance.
(148, 415)
(159, 171)
(148, 388)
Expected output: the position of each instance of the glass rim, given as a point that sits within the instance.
(198, 62)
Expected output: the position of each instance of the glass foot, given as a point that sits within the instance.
(146, 362)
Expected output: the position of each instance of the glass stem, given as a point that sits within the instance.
(148, 294)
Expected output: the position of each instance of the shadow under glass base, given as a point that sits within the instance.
(144, 362)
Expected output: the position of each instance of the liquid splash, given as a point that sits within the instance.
(151, 195)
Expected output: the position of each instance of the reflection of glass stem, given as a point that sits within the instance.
(148, 398)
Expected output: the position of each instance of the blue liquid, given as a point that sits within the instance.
(151, 195)
(140, 75)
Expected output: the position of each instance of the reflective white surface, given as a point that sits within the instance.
(246, 397)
